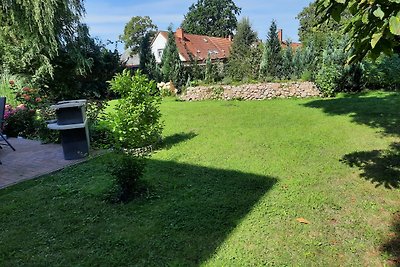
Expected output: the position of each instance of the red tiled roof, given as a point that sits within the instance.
(201, 46)
(293, 45)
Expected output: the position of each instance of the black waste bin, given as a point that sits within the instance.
(72, 124)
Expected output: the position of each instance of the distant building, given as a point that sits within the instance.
(294, 45)
(191, 46)
(129, 60)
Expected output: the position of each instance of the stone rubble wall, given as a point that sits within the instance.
(252, 91)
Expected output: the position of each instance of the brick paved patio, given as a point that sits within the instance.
(30, 160)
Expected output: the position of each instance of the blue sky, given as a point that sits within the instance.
(107, 18)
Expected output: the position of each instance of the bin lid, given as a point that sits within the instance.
(69, 104)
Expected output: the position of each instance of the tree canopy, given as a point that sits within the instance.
(212, 18)
(374, 26)
(148, 63)
(308, 31)
(240, 61)
(171, 65)
(272, 57)
(135, 31)
(32, 30)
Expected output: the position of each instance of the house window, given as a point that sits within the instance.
(160, 52)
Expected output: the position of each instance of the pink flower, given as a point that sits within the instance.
(26, 97)
(26, 89)
(21, 106)
(38, 99)
(12, 83)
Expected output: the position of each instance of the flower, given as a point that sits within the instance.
(26, 97)
(12, 83)
(26, 89)
(38, 99)
(21, 106)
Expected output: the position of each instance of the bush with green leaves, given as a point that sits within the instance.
(127, 171)
(135, 121)
(335, 75)
(100, 135)
(382, 73)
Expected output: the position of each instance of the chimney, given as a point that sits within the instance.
(280, 36)
(180, 33)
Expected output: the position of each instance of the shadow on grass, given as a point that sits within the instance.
(382, 112)
(381, 167)
(392, 246)
(187, 215)
(177, 138)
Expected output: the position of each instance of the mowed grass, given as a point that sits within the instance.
(226, 189)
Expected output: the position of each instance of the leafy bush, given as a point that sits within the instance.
(22, 120)
(306, 75)
(334, 75)
(327, 79)
(383, 73)
(7, 83)
(100, 134)
(127, 171)
(135, 121)
(19, 121)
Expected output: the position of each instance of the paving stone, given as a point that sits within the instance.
(30, 160)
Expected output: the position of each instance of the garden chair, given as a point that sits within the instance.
(2, 138)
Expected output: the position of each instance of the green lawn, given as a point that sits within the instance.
(226, 190)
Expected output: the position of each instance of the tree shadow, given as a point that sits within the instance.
(381, 111)
(392, 246)
(198, 209)
(176, 138)
(186, 216)
(381, 167)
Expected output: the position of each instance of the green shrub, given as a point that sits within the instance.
(306, 76)
(127, 171)
(335, 75)
(43, 133)
(135, 121)
(20, 122)
(327, 79)
(100, 134)
(383, 73)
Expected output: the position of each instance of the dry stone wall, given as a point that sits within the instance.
(252, 91)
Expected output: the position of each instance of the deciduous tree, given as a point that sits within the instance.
(32, 31)
(135, 31)
(374, 26)
(212, 18)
